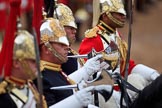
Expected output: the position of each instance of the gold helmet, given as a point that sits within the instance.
(23, 46)
(24, 49)
(64, 14)
(52, 31)
(106, 6)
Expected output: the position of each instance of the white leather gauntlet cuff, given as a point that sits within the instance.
(70, 102)
(79, 75)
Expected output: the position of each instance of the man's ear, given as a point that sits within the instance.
(16, 63)
(44, 49)
(103, 16)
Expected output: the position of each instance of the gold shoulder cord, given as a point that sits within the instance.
(68, 79)
(123, 51)
(36, 94)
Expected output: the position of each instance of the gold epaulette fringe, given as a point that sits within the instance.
(3, 86)
(91, 32)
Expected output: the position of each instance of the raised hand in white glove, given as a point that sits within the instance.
(104, 65)
(90, 67)
(82, 85)
(84, 96)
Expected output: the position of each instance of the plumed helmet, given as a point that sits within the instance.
(24, 46)
(64, 14)
(52, 31)
(106, 6)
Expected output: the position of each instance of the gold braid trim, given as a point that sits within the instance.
(106, 27)
(15, 82)
(48, 65)
(115, 20)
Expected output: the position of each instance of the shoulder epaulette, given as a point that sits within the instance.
(3, 86)
(91, 32)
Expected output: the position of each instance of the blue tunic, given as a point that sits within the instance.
(52, 79)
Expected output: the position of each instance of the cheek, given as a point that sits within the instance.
(57, 48)
(67, 31)
(60, 49)
(33, 67)
(68, 34)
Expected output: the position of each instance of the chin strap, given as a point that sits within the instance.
(115, 20)
(54, 52)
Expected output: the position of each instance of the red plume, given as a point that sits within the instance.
(3, 13)
(7, 46)
(37, 17)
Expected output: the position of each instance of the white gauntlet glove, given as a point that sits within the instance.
(107, 88)
(92, 106)
(84, 96)
(104, 65)
(148, 73)
(90, 67)
(80, 99)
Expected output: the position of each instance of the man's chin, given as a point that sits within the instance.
(121, 26)
(65, 60)
(72, 40)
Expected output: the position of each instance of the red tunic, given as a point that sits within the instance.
(97, 43)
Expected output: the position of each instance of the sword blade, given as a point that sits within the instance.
(78, 56)
(66, 87)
